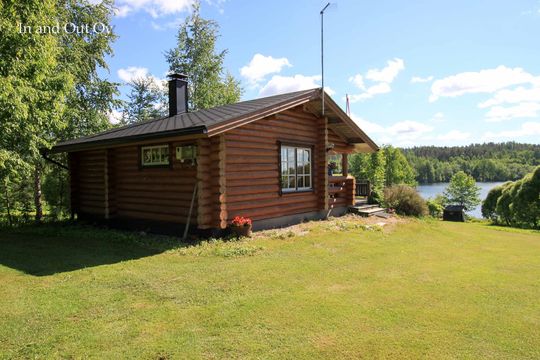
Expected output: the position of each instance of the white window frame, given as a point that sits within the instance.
(156, 162)
(301, 171)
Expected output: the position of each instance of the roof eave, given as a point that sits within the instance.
(350, 122)
(126, 140)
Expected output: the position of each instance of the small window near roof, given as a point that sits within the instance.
(295, 168)
(157, 155)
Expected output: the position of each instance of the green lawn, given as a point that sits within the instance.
(335, 289)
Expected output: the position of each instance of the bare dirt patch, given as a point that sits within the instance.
(345, 222)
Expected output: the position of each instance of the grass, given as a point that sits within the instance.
(334, 289)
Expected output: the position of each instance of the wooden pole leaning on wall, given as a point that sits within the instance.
(190, 211)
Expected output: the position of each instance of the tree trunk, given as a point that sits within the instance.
(8, 204)
(37, 193)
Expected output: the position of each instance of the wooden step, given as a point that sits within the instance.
(369, 210)
(367, 207)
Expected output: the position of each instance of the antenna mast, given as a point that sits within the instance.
(322, 56)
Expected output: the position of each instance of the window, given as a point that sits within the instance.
(186, 152)
(155, 155)
(295, 168)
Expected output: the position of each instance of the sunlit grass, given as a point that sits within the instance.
(331, 289)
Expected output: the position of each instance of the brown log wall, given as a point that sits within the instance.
(87, 171)
(110, 183)
(252, 166)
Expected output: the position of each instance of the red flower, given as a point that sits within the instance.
(241, 221)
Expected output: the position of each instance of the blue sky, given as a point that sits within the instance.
(417, 72)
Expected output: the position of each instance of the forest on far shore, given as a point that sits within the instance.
(485, 162)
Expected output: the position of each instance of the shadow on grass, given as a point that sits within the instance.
(55, 248)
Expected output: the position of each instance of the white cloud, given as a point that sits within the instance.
(132, 72)
(358, 81)
(438, 117)
(410, 129)
(399, 133)
(261, 65)
(382, 79)
(388, 73)
(329, 90)
(527, 129)
(122, 11)
(381, 88)
(454, 135)
(368, 126)
(522, 110)
(114, 116)
(513, 96)
(483, 81)
(418, 79)
(283, 84)
(156, 8)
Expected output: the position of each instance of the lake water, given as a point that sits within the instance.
(432, 190)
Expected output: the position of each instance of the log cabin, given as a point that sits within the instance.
(266, 159)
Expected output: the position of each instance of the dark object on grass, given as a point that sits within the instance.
(454, 213)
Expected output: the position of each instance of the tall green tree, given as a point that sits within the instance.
(49, 83)
(92, 97)
(463, 191)
(397, 168)
(196, 56)
(146, 101)
(33, 84)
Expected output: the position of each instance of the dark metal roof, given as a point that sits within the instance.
(220, 119)
(454, 208)
(196, 122)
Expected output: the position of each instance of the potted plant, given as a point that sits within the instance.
(241, 226)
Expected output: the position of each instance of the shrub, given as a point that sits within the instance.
(435, 206)
(515, 203)
(490, 203)
(526, 200)
(374, 197)
(405, 200)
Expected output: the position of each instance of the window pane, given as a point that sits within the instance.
(292, 182)
(163, 155)
(283, 168)
(284, 182)
(147, 156)
(290, 156)
(307, 181)
(292, 170)
(300, 181)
